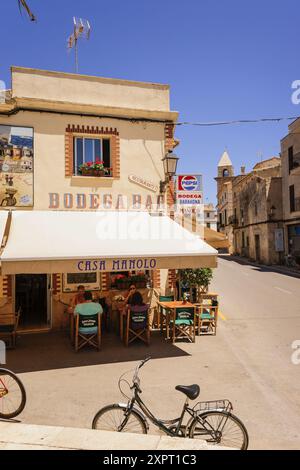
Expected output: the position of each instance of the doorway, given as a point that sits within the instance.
(257, 248)
(31, 293)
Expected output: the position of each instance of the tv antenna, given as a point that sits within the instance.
(23, 4)
(82, 29)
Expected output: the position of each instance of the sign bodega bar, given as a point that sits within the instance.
(103, 201)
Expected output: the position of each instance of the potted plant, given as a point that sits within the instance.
(120, 280)
(196, 279)
(140, 280)
(96, 168)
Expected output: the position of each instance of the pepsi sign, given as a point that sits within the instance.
(189, 183)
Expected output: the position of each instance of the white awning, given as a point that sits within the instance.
(62, 241)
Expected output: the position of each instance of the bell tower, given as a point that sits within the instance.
(225, 167)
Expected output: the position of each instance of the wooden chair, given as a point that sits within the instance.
(137, 324)
(9, 323)
(161, 312)
(207, 318)
(83, 322)
(183, 323)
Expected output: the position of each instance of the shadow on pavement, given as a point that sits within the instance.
(261, 268)
(53, 350)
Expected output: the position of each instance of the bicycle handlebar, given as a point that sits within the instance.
(136, 373)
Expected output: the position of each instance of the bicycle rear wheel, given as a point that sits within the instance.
(114, 418)
(12, 395)
(220, 428)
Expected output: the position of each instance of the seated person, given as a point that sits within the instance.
(136, 300)
(130, 293)
(79, 297)
(88, 308)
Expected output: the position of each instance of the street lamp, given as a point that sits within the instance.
(272, 211)
(170, 161)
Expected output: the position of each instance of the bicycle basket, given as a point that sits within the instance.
(214, 405)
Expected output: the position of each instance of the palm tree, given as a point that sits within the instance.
(23, 4)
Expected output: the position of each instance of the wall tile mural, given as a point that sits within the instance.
(16, 166)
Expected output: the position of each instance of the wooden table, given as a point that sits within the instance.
(171, 306)
(209, 296)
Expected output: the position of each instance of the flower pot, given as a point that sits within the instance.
(92, 172)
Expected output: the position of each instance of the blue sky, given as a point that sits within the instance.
(224, 59)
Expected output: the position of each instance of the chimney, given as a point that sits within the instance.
(243, 170)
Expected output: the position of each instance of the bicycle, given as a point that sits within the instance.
(210, 420)
(12, 395)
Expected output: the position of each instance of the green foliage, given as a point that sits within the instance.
(196, 277)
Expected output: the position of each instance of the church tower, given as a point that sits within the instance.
(225, 167)
(225, 170)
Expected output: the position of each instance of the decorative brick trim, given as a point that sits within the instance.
(108, 132)
(7, 286)
(172, 278)
(104, 281)
(169, 136)
(115, 155)
(171, 200)
(68, 154)
(156, 278)
(56, 283)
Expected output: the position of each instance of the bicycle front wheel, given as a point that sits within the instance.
(220, 428)
(12, 395)
(115, 418)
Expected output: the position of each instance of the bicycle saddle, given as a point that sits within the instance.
(191, 391)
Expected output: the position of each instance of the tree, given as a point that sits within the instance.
(198, 279)
(23, 4)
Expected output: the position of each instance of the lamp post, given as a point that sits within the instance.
(272, 212)
(170, 161)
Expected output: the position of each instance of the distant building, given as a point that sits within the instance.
(257, 213)
(290, 155)
(224, 197)
(210, 216)
(250, 209)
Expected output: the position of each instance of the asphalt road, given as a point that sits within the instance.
(260, 315)
(249, 361)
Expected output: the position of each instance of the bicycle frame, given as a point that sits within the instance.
(163, 424)
(166, 425)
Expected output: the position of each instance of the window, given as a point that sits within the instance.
(291, 158)
(292, 198)
(91, 281)
(208, 215)
(225, 214)
(208, 225)
(255, 208)
(225, 173)
(91, 150)
(243, 239)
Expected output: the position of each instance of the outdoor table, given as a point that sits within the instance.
(209, 296)
(170, 310)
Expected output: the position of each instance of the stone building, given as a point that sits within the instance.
(257, 213)
(290, 156)
(250, 209)
(210, 216)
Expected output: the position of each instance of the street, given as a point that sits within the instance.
(248, 362)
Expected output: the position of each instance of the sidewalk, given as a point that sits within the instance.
(275, 268)
(16, 436)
